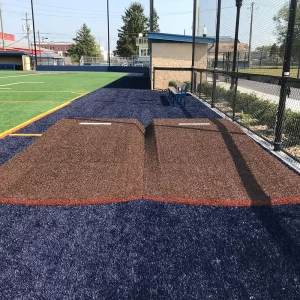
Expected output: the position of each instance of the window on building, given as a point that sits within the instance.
(145, 52)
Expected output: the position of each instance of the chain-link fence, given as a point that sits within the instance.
(248, 99)
(56, 61)
(267, 63)
(133, 61)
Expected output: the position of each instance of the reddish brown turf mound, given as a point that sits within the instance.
(209, 162)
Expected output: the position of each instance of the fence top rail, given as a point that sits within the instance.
(171, 69)
(292, 82)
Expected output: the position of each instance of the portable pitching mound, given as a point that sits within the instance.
(197, 162)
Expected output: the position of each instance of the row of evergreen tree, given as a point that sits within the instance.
(135, 22)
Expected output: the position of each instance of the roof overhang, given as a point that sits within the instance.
(157, 37)
(14, 53)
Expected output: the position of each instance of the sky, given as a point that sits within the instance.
(58, 20)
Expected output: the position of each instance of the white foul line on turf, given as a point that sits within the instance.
(194, 124)
(21, 75)
(107, 124)
(19, 83)
(5, 88)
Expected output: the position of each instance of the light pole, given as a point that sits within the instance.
(108, 38)
(35, 58)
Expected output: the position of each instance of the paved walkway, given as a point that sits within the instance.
(291, 103)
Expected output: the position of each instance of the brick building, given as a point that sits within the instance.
(60, 48)
(227, 45)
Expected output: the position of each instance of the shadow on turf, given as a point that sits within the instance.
(270, 219)
(165, 101)
(252, 187)
(131, 82)
(281, 238)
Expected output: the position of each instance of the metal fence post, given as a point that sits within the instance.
(285, 75)
(260, 60)
(153, 78)
(200, 85)
(194, 83)
(235, 82)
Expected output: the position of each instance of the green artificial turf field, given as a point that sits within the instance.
(271, 72)
(26, 95)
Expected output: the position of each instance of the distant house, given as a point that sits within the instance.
(227, 45)
(58, 47)
(144, 53)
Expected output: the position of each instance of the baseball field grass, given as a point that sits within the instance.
(26, 95)
(271, 72)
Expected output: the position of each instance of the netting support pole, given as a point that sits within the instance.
(285, 75)
(194, 43)
(239, 4)
(216, 53)
(108, 36)
(150, 43)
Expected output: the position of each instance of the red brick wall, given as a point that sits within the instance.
(56, 47)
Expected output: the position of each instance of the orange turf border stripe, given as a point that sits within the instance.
(168, 199)
(28, 101)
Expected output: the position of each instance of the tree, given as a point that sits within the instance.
(281, 20)
(274, 51)
(263, 48)
(155, 22)
(135, 22)
(84, 44)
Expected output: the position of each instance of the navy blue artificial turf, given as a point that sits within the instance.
(143, 249)
(10, 146)
(143, 105)
(148, 250)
